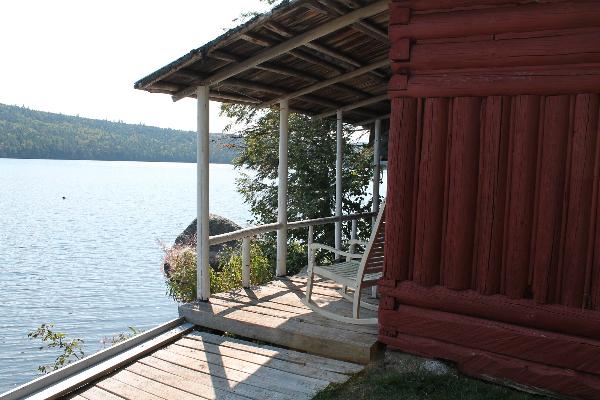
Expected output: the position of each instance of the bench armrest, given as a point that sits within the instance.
(317, 246)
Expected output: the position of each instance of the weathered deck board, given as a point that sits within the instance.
(194, 364)
(275, 313)
(279, 353)
(202, 365)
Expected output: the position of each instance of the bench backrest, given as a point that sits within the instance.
(372, 261)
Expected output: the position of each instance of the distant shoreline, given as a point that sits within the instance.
(31, 134)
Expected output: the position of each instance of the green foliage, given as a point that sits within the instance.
(311, 155)
(121, 337)
(229, 275)
(297, 254)
(181, 274)
(27, 133)
(69, 349)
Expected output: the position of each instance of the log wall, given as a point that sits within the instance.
(493, 209)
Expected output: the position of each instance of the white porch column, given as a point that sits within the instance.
(377, 166)
(339, 156)
(202, 248)
(284, 113)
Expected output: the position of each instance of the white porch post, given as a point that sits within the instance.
(377, 166)
(339, 155)
(202, 234)
(284, 113)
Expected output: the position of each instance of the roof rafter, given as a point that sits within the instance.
(328, 82)
(365, 27)
(290, 44)
(298, 53)
(371, 120)
(281, 30)
(353, 106)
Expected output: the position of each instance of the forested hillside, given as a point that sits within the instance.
(27, 133)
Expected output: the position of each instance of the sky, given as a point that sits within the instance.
(83, 57)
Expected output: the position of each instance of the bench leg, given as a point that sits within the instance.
(356, 303)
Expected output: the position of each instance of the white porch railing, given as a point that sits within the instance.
(247, 234)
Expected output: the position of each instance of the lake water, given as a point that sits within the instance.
(90, 263)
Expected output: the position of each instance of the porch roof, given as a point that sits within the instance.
(320, 55)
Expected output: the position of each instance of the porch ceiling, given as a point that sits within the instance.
(321, 55)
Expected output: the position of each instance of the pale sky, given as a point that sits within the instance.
(82, 57)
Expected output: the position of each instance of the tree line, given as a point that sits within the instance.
(26, 133)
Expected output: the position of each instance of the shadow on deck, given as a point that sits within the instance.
(274, 313)
(180, 360)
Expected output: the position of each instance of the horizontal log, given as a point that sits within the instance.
(534, 345)
(496, 82)
(523, 312)
(428, 5)
(486, 365)
(527, 17)
(550, 50)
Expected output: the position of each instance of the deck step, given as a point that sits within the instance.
(274, 313)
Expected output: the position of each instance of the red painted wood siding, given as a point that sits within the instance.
(492, 254)
(506, 195)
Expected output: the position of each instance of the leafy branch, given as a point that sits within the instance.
(71, 349)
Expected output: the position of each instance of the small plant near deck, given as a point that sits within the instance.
(70, 349)
(180, 276)
(121, 337)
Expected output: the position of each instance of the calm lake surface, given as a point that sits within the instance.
(90, 263)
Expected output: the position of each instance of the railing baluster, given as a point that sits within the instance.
(246, 262)
(353, 235)
(311, 232)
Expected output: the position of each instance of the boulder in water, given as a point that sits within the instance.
(217, 225)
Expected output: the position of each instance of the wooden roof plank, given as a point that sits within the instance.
(274, 26)
(364, 26)
(299, 40)
(328, 82)
(349, 107)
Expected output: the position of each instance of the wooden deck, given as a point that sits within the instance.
(201, 365)
(274, 313)
(182, 360)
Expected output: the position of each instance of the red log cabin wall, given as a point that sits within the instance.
(493, 233)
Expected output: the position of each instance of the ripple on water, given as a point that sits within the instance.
(90, 263)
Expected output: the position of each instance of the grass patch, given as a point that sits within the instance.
(377, 383)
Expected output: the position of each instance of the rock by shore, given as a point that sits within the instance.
(217, 225)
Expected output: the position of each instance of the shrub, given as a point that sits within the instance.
(180, 276)
(297, 256)
(230, 269)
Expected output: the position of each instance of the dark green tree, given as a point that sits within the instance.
(311, 161)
